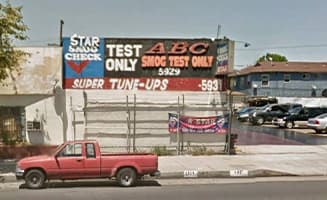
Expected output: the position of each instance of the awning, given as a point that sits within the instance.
(21, 100)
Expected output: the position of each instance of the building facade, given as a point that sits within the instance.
(282, 79)
(116, 90)
(30, 102)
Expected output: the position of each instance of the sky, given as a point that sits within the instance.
(294, 28)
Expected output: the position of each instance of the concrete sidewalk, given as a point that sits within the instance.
(251, 161)
(258, 160)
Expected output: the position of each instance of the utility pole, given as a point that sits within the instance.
(218, 31)
(60, 34)
(230, 118)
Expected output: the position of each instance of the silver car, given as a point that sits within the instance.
(319, 123)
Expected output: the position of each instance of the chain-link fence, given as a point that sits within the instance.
(139, 122)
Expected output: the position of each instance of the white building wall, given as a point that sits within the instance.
(36, 86)
(305, 101)
(114, 134)
(51, 122)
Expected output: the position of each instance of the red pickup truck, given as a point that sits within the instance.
(83, 160)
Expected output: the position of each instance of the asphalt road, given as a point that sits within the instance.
(313, 189)
(255, 135)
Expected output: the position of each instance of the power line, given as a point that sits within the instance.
(286, 47)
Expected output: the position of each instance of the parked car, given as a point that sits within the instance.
(83, 160)
(272, 111)
(300, 118)
(319, 123)
(243, 114)
(278, 120)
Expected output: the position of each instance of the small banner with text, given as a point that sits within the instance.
(197, 125)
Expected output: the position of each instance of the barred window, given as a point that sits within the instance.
(265, 80)
(306, 76)
(287, 78)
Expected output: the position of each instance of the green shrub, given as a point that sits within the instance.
(161, 151)
(202, 150)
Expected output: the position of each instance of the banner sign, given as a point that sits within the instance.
(225, 56)
(83, 57)
(160, 58)
(150, 84)
(140, 64)
(188, 124)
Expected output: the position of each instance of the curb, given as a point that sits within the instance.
(4, 178)
(10, 178)
(225, 174)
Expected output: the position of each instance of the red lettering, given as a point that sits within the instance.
(178, 48)
(179, 61)
(199, 48)
(202, 61)
(153, 61)
(157, 49)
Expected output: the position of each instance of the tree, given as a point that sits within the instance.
(12, 28)
(272, 57)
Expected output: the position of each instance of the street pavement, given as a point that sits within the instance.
(250, 161)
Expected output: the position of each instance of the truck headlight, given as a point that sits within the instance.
(19, 171)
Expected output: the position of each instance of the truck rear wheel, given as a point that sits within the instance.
(35, 179)
(126, 177)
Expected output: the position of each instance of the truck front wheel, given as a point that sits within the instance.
(34, 179)
(126, 177)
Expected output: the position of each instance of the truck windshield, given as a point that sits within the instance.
(58, 148)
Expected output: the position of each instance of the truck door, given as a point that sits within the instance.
(92, 161)
(70, 161)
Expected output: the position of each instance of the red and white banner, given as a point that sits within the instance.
(191, 124)
(150, 84)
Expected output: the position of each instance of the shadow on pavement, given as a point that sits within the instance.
(105, 183)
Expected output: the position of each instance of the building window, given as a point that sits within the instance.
(306, 76)
(287, 78)
(243, 82)
(249, 82)
(265, 80)
(12, 121)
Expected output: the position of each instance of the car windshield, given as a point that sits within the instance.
(263, 107)
(295, 110)
(322, 116)
(247, 109)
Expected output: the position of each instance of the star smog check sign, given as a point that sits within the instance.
(83, 56)
(140, 64)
